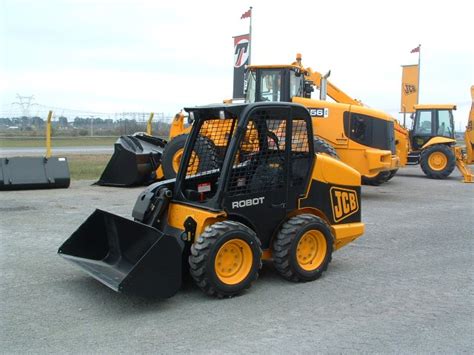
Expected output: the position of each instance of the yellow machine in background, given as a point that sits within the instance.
(360, 136)
(431, 142)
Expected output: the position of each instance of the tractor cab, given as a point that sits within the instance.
(431, 121)
(275, 83)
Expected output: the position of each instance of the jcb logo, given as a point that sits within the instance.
(409, 89)
(344, 203)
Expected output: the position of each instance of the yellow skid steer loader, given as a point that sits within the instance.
(273, 199)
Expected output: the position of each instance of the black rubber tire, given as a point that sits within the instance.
(376, 180)
(321, 146)
(205, 148)
(204, 252)
(437, 174)
(392, 174)
(285, 247)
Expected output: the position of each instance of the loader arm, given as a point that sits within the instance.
(332, 90)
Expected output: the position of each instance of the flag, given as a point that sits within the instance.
(416, 50)
(410, 87)
(241, 60)
(246, 14)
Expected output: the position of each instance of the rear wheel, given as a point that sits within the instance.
(225, 259)
(437, 161)
(302, 250)
(377, 179)
(392, 174)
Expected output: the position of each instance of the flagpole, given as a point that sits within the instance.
(250, 35)
(419, 71)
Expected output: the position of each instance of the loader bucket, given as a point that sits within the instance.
(134, 161)
(23, 173)
(127, 256)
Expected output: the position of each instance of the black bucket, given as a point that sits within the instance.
(134, 161)
(24, 173)
(127, 256)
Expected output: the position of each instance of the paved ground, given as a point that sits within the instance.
(406, 286)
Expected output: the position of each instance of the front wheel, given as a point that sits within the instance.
(225, 259)
(437, 161)
(302, 250)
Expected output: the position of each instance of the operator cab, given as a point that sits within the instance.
(431, 121)
(274, 84)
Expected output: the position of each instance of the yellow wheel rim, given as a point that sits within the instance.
(193, 162)
(311, 250)
(437, 161)
(233, 261)
(177, 159)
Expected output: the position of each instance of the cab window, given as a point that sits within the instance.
(423, 123)
(444, 123)
(270, 85)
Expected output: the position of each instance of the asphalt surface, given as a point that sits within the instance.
(406, 286)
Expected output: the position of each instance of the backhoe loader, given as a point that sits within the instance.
(273, 199)
(432, 144)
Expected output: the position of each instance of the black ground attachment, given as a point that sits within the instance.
(127, 256)
(134, 162)
(26, 173)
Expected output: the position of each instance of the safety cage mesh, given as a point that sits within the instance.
(210, 146)
(260, 163)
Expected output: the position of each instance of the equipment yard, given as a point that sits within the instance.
(405, 286)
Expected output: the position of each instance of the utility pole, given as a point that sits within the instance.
(25, 103)
(92, 125)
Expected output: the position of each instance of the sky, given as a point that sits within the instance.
(160, 56)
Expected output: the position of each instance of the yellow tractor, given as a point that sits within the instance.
(431, 142)
(220, 217)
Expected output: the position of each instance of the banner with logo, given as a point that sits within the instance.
(410, 87)
(241, 59)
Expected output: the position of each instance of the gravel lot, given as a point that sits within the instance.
(406, 286)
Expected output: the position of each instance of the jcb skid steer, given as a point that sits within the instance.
(273, 199)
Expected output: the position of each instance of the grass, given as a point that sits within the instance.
(87, 167)
(38, 142)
